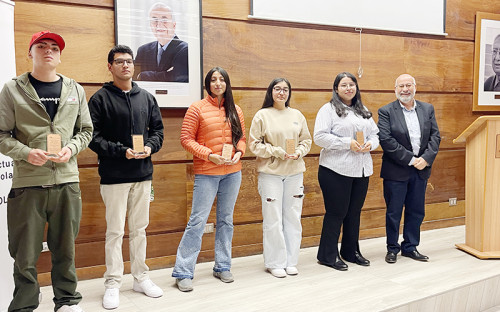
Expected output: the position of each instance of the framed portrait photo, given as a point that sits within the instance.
(165, 36)
(487, 62)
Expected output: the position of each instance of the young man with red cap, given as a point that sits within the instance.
(45, 123)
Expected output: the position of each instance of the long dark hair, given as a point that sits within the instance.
(229, 107)
(268, 100)
(357, 106)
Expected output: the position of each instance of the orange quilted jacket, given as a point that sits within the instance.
(204, 131)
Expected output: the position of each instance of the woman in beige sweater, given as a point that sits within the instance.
(279, 137)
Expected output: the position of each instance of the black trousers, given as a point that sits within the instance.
(344, 197)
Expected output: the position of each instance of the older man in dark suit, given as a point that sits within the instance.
(167, 58)
(409, 137)
(493, 82)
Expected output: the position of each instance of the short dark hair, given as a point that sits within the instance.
(119, 49)
(268, 100)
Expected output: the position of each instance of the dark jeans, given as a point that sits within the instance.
(344, 197)
(411, 194)
(28, 210)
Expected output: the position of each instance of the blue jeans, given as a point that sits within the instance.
(206, 187)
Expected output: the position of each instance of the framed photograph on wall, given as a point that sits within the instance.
(487, 62)
(166, 38)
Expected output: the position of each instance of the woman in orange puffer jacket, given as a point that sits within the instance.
(213, 131)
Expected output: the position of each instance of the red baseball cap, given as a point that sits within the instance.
(46, 34)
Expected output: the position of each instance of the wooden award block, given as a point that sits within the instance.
(53, 144)
(290, 146)
(360, 137)
(227, 151)
(138, 143)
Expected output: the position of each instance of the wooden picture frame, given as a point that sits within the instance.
(177, 80)
(487, 29)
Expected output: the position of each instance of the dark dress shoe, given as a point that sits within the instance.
(415, 255)
(337, 265)
(361, 260)
(391, 257)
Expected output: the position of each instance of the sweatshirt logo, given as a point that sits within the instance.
(55, 100)
(72, 99)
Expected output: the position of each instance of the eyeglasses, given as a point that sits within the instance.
(347, 86)
(279, 90)
(120, 62)
(408, 86)
(163, 21)
(495, 52)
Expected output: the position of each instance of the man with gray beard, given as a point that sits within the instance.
(409, 137)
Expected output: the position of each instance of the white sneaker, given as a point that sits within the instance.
(71, 308)
(277, 272)
(292, 271)
(148, 288)
(111, 299)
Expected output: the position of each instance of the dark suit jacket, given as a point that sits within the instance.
(173, 64)
(395, 140)
(489, 84)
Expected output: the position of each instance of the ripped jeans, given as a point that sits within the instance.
(282, 198)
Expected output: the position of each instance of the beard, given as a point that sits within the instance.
(406, 97)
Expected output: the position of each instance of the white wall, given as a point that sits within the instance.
(8, 57)
(422, 16)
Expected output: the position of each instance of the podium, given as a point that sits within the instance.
(482, 187)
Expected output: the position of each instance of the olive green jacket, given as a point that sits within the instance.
(24, 125)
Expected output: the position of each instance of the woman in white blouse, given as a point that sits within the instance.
(279, 137)
(346, 132)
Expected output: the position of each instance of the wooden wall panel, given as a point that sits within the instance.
(255, 54)
(235, 9)
(87, 31)
(461, 16)
(167, 211)
(97, 3)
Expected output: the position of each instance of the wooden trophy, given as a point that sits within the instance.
(227, 151)
(53, 144)
(138, 143)
(290, 146)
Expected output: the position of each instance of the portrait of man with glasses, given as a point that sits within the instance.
(165, 59)
(493, 82)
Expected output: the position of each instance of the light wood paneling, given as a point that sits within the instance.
(235, 9)
(87, 31)
(97, 3)
(461, 16)
(254, 54)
